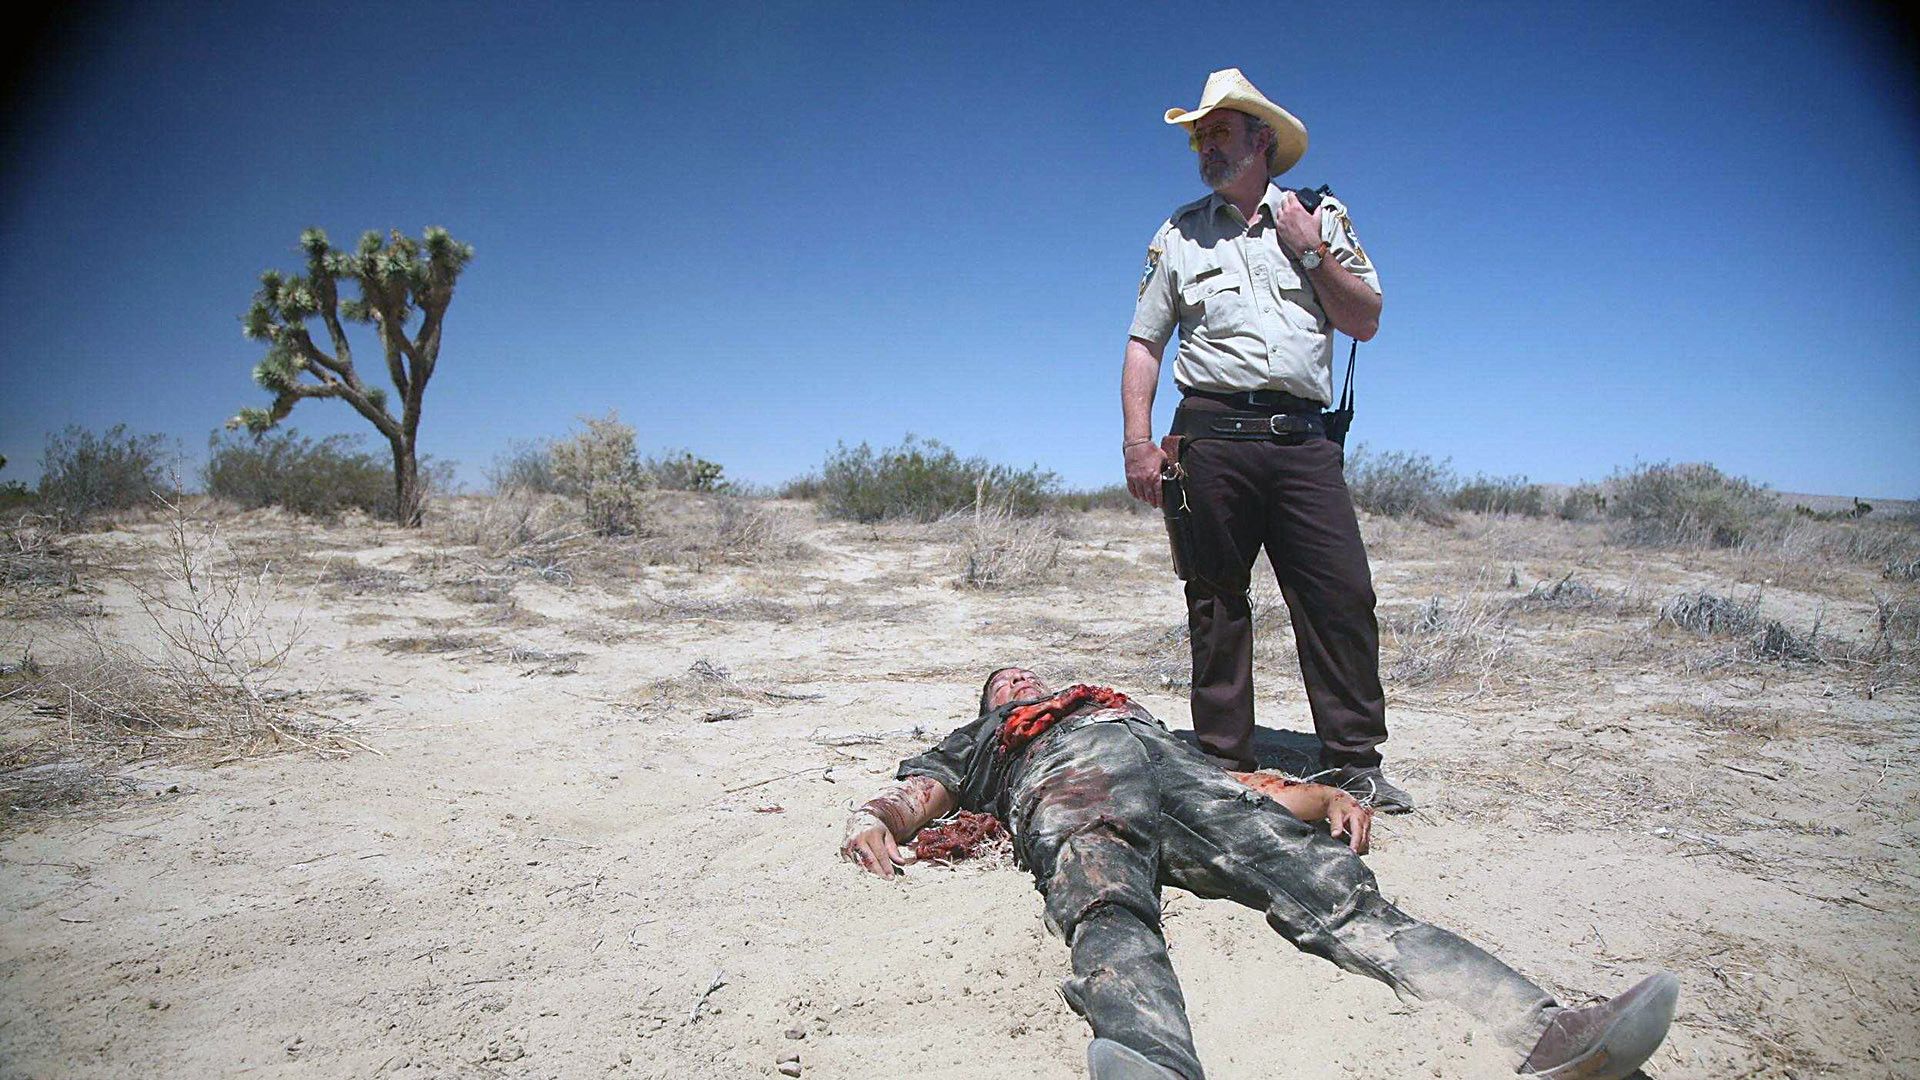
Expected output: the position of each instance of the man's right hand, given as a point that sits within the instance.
(870, 846)
(1144, 464)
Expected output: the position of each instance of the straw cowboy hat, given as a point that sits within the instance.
(1228, 89)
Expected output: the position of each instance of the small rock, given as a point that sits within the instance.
(796, 1033)
(789, 1068)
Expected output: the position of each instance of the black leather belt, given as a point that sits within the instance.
(1195, 424)
(1270, 400)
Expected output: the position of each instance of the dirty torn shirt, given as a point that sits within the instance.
(969, 763)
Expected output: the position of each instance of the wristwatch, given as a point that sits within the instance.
(1314, 256)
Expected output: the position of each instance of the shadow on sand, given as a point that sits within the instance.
(1296, 753)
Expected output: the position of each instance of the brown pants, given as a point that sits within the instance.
(1289, 496)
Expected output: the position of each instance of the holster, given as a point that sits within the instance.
(1175, 511)
(1338, 421)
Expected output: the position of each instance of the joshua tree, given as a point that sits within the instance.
(397, 277)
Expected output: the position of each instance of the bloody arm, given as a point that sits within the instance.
(881, 824)
(1317, 802)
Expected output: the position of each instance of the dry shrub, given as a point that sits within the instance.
(1569, 595)
(1582, 502)
(998, 549)
(653, 609)
(85, 472)
(515, 522)
(349, 577)
(1897, 621)
(537, 661)
(318, 477)
(1448, 641)
(1563, 595)
(751, 531)
(37, 570)
(921, 480)
(1160, 657)
(711, 692)
(601, 466)
(212, 680)
(1667, 504)
(702, 530)
(32, 556)
(482, 590)
(1708, 615)
(1400, 484)
(432, 642)
(1501, 495)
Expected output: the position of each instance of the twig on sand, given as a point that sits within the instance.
(1749, 772)
(719, 980)
(575, 843)
(823, 769)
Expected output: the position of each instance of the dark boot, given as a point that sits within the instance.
(1370, 786)
(1607, 1041)
(1109, 1060)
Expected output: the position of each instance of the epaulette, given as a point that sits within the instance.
(1187, 208)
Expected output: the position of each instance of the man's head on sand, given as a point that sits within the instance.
(1010, 684)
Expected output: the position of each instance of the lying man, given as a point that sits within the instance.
(1105, 806)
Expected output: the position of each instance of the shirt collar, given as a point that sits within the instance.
(1270, 199)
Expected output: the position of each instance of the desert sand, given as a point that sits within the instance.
(574, 808)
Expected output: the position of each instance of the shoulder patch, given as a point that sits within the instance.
(1146, 272)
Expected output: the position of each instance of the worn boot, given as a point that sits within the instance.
(1370, 786)
(1607, 1041)
(1109, 1060)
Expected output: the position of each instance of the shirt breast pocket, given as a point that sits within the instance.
(1217, 302)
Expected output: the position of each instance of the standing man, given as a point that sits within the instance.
(1257, 285)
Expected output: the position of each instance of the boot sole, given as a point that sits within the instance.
(1629, 1041)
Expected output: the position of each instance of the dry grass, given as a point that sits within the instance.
(994, 548)
(525, 534)
(673, 608)
(431, 643)
(204, 680)
(709, 693)
(38, 571)
(705, 531)
(1462, 641)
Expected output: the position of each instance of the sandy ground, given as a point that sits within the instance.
(567, 854)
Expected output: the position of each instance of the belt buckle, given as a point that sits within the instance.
(1280, 424)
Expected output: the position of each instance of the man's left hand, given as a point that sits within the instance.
(1298, 229)
(1348, 818)
(869, 844)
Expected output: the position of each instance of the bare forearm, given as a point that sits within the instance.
(1308, 802)
(907, 806)
(1349, 302)
(1139, 378)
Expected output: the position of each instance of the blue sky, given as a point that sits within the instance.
(1606, 233)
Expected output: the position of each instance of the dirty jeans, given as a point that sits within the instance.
(1106, 813)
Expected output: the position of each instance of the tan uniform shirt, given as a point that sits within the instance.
(1248, 316)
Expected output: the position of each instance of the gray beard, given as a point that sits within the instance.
(1217, 175)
